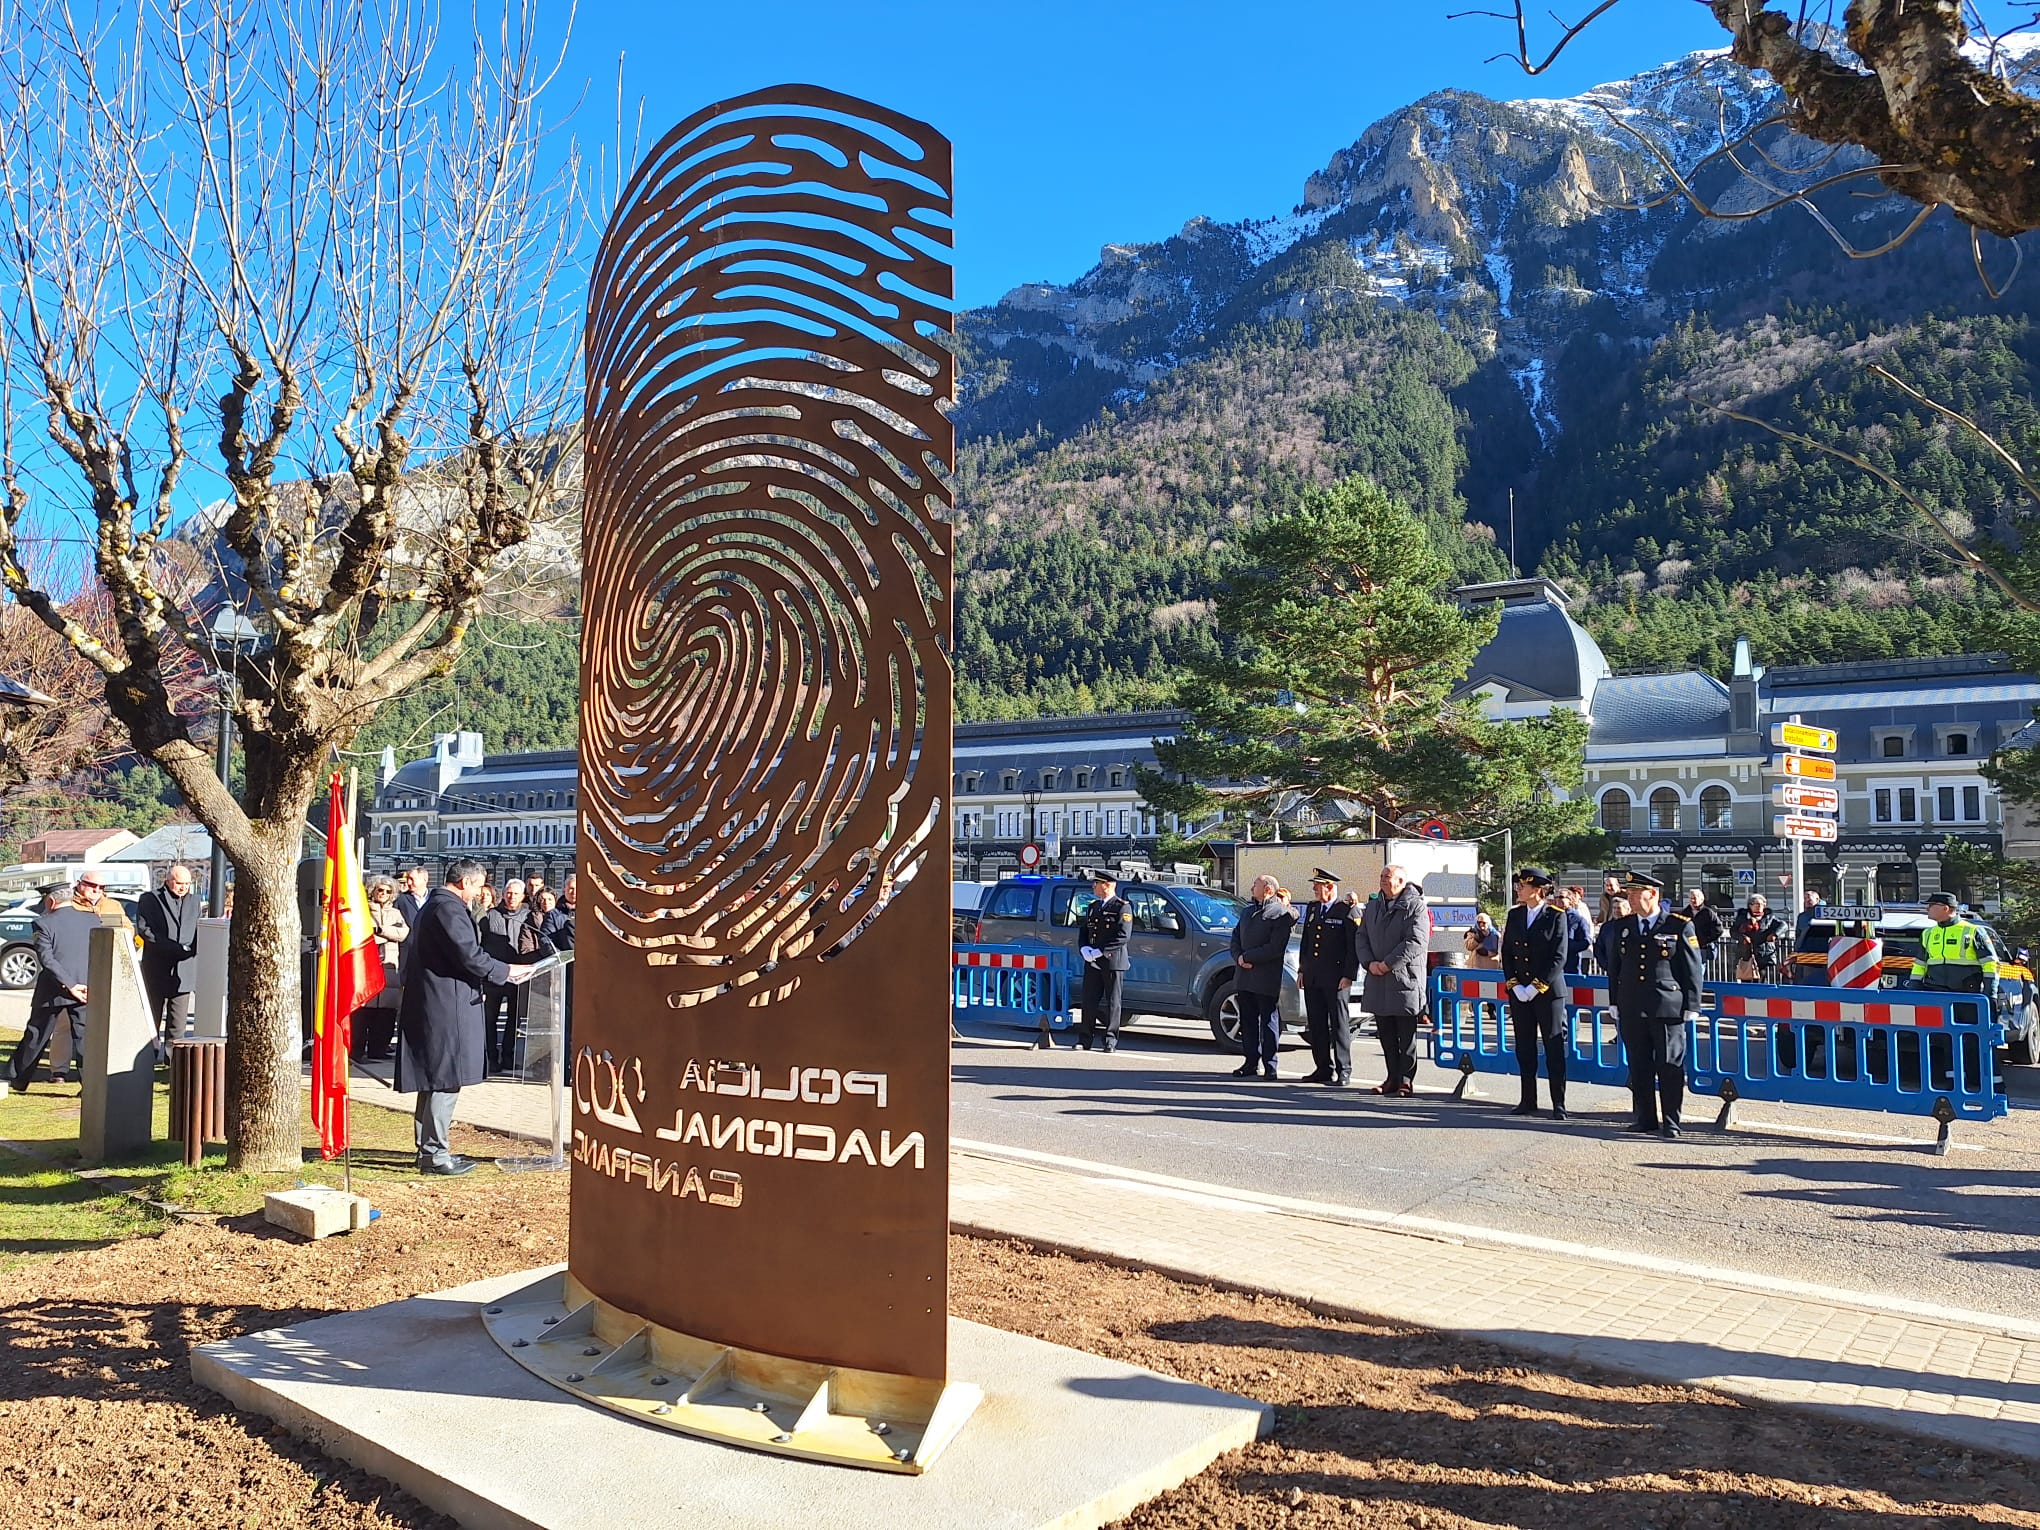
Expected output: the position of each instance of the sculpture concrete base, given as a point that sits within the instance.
(418, 1392)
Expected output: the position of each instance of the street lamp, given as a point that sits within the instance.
(235, 636)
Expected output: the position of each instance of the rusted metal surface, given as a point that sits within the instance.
(761, 1060)
(198, 1095)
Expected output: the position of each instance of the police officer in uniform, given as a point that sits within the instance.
(1534, 938)
(1955, 955)
(1101, 942)
(1327, 964)
(1656, 982)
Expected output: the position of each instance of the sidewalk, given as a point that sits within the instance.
(1969, 1378)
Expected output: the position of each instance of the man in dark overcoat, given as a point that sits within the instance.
(1101, 943)
(167, 921)
(1327, 962)
(1533, 981)
(441, 1043)
(1259, 942)
(1654, 971)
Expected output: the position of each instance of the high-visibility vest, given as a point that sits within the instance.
(1955, 944)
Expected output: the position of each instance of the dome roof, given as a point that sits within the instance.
(1539, 653)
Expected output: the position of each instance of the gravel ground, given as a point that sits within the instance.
(1378, 1426)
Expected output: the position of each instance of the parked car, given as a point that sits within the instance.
(18, 965)
(964, 898)
(1179, 957)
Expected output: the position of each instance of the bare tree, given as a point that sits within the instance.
(280, 257)
(1930, 94)
(72, 730)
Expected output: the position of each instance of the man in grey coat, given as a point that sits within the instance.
(63, 944)
(1394, 938)
(441, 1043)
(1259, 942)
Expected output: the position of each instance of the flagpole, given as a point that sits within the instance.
(346, 1058)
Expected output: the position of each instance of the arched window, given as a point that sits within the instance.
(385, 836)
(1615, 807)
(1664, 810)
(403, 839)
(1715, 812)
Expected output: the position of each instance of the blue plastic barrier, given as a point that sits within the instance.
(1470, 1028)
(1014, 983)
(1905, 1052)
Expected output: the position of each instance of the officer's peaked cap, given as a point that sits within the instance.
(1941, 897)
(1322, 875)
(1104, 874)
(1533, 876)
(1642, 879)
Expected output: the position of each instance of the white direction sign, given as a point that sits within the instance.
(1797, 826)
(1805, 797)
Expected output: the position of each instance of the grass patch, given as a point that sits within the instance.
(45, 1120)
(45, 1210)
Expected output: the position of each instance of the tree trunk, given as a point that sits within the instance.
(265, 1088)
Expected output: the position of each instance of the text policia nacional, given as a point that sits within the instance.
(613, 1094)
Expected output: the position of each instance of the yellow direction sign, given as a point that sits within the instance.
(1794, 826)
(1808, 767)
(1803, 736)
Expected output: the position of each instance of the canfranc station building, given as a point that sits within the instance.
(1675, 766)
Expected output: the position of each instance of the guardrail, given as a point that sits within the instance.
(1910, 1052)
(1470, 1029)
(1907, 1052)
(1019, 983)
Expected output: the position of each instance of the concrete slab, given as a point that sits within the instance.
(418, 1392)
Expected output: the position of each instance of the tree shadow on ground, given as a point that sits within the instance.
(1438, 1422)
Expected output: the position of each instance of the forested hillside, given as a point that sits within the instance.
(1460, 309)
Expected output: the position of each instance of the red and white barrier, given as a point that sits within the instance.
(1040, 963)
(1834, 1011)
(1855, 961)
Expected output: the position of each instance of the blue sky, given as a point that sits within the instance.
(1080, 124)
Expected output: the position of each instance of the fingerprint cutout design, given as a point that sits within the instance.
(767, 525)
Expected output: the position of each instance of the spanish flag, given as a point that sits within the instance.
(350, 974)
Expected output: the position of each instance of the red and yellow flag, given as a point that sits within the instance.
(350, 974)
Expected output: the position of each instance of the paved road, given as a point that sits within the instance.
(1787, 1200)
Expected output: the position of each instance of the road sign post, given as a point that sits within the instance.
(1810, 812)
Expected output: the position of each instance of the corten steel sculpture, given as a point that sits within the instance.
(761, 1030)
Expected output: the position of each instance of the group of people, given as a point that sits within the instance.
(524, 921)
(455, 960)
(1755, 937)
(1380, 944)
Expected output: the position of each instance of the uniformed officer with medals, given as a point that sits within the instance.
(1101, 942)
(1327, 963)
(1656, 981)
(1533, 978)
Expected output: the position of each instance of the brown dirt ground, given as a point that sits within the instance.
(1377, 1426)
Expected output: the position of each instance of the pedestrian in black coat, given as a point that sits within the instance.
(167, 921)
(1259, 942)
(1101, 944)
(1533, 979)
(63, 944)
(441, 1043)
(1655, 975)
(1327, 963)
(510, 932)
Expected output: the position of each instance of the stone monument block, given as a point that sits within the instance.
(120, 1052)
